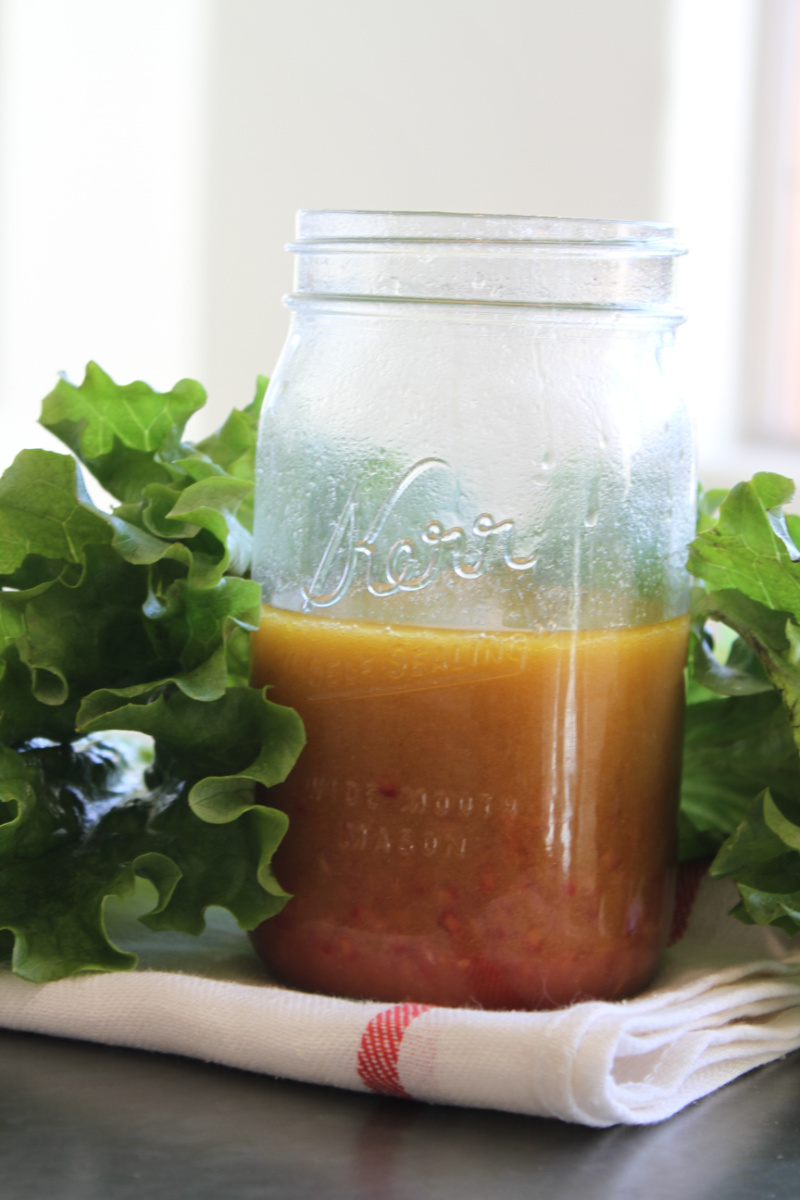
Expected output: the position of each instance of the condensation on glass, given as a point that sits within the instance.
(475, 489)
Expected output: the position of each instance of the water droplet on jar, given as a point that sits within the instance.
(548, 461)
(592, 505)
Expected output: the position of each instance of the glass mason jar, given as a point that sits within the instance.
(475, 489)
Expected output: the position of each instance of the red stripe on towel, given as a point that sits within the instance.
(379, 1051)
(380, 1048)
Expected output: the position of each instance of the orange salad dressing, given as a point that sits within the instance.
(478, 817)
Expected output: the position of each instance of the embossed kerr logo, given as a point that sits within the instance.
(358, 549)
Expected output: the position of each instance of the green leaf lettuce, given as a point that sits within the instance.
(741, 791)
(136, 619)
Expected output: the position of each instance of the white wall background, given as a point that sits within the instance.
(520, 106)
(706, 193)
(102, 196)
(153, 153)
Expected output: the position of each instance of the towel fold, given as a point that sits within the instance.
(726, 999)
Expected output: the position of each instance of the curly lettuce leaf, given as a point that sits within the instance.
(46, 512)
(112, 630)
(123, 433)
(749, 548)
(73, 837)
(750, 567)
(743, 770)
(740, 674)
(233, 447)
(178, 501)
(137, 620)
(80, 611)
(763, 859)
(227, 744)
(733, 748)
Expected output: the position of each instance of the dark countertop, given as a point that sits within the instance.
(80, 1121)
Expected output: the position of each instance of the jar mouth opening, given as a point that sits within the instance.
(326, 226)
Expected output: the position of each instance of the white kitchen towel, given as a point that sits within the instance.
(726, 999)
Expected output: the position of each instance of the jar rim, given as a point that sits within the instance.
(553, 261)
(357, 225)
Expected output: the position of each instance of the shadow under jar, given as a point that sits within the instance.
(475, 489)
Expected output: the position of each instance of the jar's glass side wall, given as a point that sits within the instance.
(475, 467)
